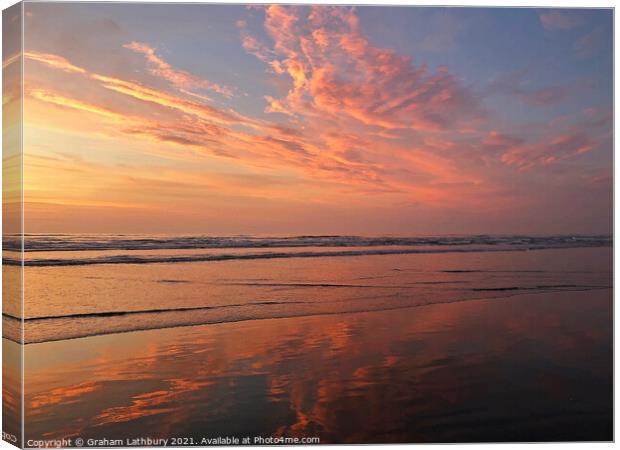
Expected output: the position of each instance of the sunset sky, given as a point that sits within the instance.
(280, 120)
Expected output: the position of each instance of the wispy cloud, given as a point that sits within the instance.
(345, 122)
(54, 61)
(514, 84)
(335, 70)
(181, 79)
(549, 151)
(591, 43)
(558, 19)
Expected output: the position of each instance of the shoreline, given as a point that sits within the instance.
(506, 297)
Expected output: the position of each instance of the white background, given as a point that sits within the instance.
(514, 3)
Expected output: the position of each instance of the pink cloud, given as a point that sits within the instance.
(549, 151)
(559, 20)
(359, 120)
(515, 84)
(335, 70)
(545, 96)
(497, 140)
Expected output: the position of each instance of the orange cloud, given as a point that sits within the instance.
(60, 100)
(54, 61)
(355, 124)
(363, 161)
(10, 60)
(170, 101)
(253, 46)
(143, 93)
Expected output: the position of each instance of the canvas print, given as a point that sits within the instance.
(306, 224)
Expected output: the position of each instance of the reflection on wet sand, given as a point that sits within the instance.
(529, 367)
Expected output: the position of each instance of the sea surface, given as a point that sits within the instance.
(348, 339)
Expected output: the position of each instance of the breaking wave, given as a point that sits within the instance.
(296, 247)
(67, 242)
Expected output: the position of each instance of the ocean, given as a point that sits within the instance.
(348, 339)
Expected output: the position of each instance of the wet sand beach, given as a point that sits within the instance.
(528, 368)
(519, 365)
